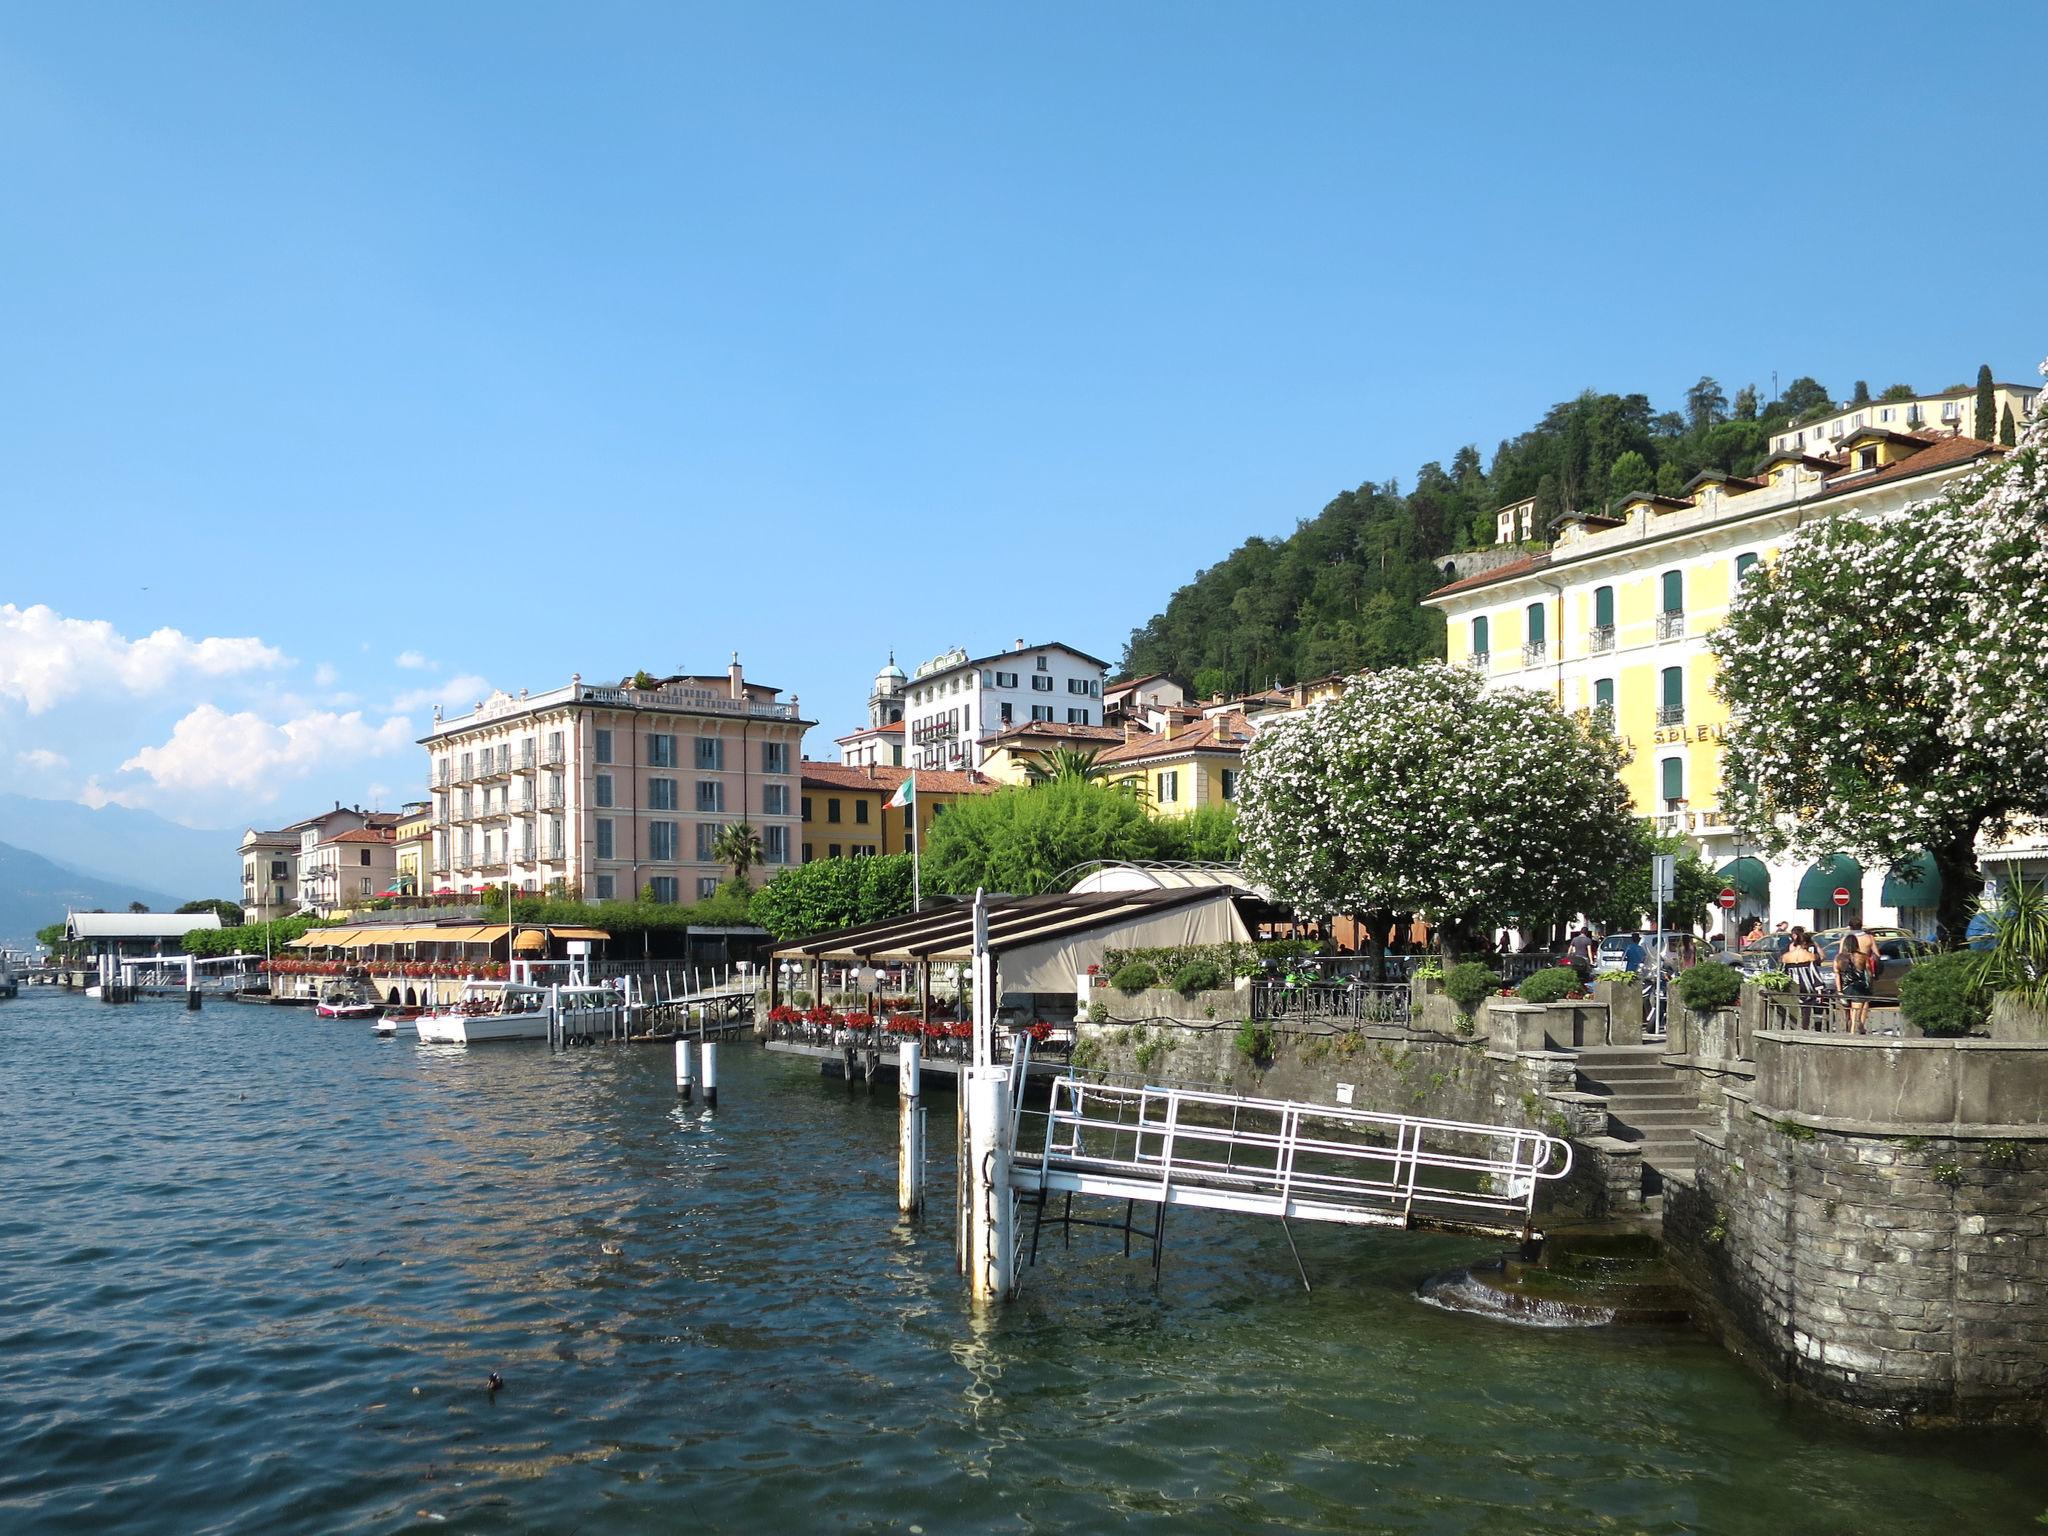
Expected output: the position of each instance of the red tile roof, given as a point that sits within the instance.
(883, 779)
(1519, 567)
(1943, 453)
(1020, 734)
(367, 835)
(1229, 733)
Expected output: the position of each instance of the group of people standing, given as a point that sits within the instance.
(1851, 975)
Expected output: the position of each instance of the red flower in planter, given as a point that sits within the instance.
(859, 1021)
(1039, 1030)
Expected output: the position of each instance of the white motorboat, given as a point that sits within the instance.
(518, 1010)
(345, 1003)
(395, 1021)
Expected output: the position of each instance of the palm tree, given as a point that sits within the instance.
(739, 845)
(1064, 765)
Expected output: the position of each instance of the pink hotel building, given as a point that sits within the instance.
(610, 790)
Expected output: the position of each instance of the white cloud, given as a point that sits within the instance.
(450, 693)
(211, 750)
(413, 661)
(324, 676)
(42, 759)
(45, 657)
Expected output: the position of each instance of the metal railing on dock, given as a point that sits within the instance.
(1278, 1157)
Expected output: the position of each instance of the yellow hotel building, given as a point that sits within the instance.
(1618, 616)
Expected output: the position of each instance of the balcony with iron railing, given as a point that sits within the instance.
(526, 762)
(1535, 653)
(1479, 661)
(1600, 639)
(553, 758)
(1670, 626)
(552, 799)
(1671, 714)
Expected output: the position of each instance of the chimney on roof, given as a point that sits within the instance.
(1020, 642)
(739, 686)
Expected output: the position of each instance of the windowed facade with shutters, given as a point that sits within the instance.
(954, 703)
(1616, 618)
(586, 786)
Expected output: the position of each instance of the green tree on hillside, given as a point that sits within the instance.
(1895, 392)
(1705, 404)
(1804, 399)
(1987, 404)
(1631, 472)
(1860, 395)
(1746, 405)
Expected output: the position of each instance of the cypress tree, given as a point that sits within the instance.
(1985, 407)
(2008, 432)
(1862, 394)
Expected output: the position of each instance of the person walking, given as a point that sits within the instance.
(1802, 963)
(1633, 956)
(1852, 982)
(1580, 951)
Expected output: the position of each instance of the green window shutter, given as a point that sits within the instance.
(1535, 623)
(1479, 645)
(1674, 591)
(1674, 778)
(1674, 687)
(1603, 608)
(1742, 565)
(1603, 694)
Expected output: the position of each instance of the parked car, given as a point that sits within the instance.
(1615, 946)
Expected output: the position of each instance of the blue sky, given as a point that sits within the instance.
(381, 351)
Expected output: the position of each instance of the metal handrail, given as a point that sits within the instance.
(1288, 1170)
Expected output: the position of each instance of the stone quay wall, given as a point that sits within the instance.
(1870, 1225)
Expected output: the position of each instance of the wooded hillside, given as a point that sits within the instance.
(1342, 592)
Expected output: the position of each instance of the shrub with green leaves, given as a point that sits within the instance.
(1551, 985)
(1256, 1042)
(1709, 986)
(1198, 976)
(1470, 984)
(1946, 994)
(1772, 981)
(1135, 976)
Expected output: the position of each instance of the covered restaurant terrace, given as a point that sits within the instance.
(419, 952)
(1042, 945)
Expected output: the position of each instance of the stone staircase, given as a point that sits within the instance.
(1649, 1104)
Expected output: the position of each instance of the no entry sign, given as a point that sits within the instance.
(1727, 898)
(1841, 895)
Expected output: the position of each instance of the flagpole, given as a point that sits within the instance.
(916, 878)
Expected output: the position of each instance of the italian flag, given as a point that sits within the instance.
(906, 794)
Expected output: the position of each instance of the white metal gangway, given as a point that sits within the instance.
(1284, 1158)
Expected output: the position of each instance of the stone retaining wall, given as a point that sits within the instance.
(1855, 1239)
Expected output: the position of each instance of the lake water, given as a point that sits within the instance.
(256, 1270)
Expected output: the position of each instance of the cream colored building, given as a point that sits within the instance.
(415, 847)
(1618, 616)
(1952, 411)
(613, 790)
(270, 875)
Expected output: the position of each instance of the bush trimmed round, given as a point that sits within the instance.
(1550, 985)
(1135, 976)
(1470, 984)
(1945, 995)
(1198, 976)
(1709, 986)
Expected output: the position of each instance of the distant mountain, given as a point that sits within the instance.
(122, 847)
(35, 891)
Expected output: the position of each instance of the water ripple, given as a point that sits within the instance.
(258, 1270)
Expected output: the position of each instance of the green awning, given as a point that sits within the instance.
(1748, 877)
(1913, 882)
(1817, 885)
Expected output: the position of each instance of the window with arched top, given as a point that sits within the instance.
(1534, 614)
(1674, 591)
(1673, 785)
(1480, 647)
(1744, 564)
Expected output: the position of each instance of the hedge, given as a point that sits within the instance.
(1946, 995)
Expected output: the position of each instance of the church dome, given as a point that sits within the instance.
(890, 678)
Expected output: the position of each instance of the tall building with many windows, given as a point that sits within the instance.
(955, 704)
(1618, 615)
(613, 790)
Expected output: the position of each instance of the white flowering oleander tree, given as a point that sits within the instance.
(1889, 679)
(1418, 791)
